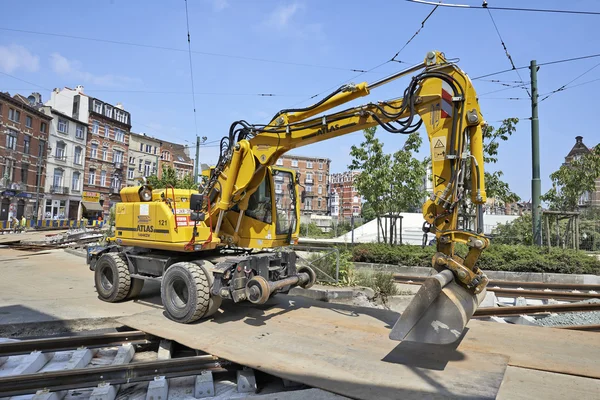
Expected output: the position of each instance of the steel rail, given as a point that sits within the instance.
(73, 342)
(544, 308)
(589, 328)
(402, 278)
(114, 374)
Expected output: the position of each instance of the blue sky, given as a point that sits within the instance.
(338, 34)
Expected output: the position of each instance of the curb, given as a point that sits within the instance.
(75, 252)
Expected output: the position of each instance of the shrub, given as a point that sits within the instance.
(498, 257)
(381, 282)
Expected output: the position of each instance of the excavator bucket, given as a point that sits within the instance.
(438, 313)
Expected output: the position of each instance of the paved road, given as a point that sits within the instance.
(55, 285)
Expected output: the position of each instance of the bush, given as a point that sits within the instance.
(327, 265)
(498, 257)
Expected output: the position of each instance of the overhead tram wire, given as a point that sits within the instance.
(156, 47)
(393, 59)
(540, 10)
(571, 81)
(506, 49)
(187, 21)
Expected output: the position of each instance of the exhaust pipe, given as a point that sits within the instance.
(258, 289)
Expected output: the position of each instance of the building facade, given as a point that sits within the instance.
(176, 156)
(23, 146)
(64, 166)
(589, 199)
(345, 200)
(143, 158)
(107, 147)
(314, 178)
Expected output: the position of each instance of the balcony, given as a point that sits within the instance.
(115, 190)
(308, 180)
(4, 184)
(59, 189)
(118, 165)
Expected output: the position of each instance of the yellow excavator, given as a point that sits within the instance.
(233, 237)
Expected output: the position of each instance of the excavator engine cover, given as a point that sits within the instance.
(438, 313)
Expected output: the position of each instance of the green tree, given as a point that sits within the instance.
(514, 232)
(367, 212)
(495, 187)
(169, 178)
(572, 180)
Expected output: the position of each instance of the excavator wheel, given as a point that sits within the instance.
(215, 301)
(111, 277)
(185, 292)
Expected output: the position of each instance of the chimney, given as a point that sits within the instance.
(119, 106)
(579, 139)
(79, 88)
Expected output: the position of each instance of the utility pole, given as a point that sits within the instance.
(536, 184)
(199, 141)
(40, 164)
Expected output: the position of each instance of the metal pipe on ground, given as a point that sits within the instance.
(521, 310)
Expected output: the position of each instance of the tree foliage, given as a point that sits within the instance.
(495, 187)
(169, 178)
(517, 231)
(572, 180)
(388, 182)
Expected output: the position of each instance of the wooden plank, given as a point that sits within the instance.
(528, 384)
(338, 348)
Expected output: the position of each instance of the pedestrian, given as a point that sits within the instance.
(23, 223)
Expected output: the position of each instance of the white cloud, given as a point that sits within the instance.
(73, 68)
(220, 5)
(281, 16)
(15, 57)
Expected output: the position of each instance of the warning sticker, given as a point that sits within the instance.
(439, 148)
(438, 180)
(144, 209)
(439, 144)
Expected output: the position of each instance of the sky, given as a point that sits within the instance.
(300, 48)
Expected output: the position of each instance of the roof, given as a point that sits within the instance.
(578, 148)
(21, 101)
(63, 115)
(146, 137)
(178, 152)
(291, 156)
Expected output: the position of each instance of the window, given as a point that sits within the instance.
(319, 202)
(14, 115)
(132, 160)
(44, 127)
(77, 155)
(108, 111)
(58, 177)
(259, 204)
(24, 169)
(355, 199)
(320, 165)
(166, 156)
(294, 163)
(104, 153)
(61, 151)
(63, 125)
(115, 183)
(75, 181)
(308, 188)
(95, 127)
(26, 144)
(280, 161)
(94, 150)
(140, 165)
(11, 139)
(79, 132)
(320, 177)
(147, 168)
(141, 146)
(92, 177)
(148, 148)
(155, 150)
(28, 121)
(121, 116)
(308, 204)
(103, 178)
(130, 172)
(118, 156)
(97, 107)
(278, 188)
(119, 136)
(309, 164)
(106, 131)
(309, 177)
(320, 190)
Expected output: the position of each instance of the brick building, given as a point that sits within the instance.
(589, 199)
(107, 146)
(23, 141)
(314, 176)
(344, 199)
(143, 158)
(176, 156)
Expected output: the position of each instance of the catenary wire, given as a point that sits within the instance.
(485, 6)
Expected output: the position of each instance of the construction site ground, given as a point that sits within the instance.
(341, 348)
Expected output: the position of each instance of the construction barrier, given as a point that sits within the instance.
(49, 223)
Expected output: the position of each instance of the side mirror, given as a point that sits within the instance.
(196, 202)
(197, 216)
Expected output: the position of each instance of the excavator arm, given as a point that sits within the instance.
(441, 98)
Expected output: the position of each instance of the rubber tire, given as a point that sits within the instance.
(135, 288)
(194, 284)
(121, 281)
(215, 301)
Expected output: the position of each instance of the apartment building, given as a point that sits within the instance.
(107, 146)
(64, 166)
(314, 178)
(588, 199)
(345, 199)
(143, 158)
(176, 156)
(22, 151)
